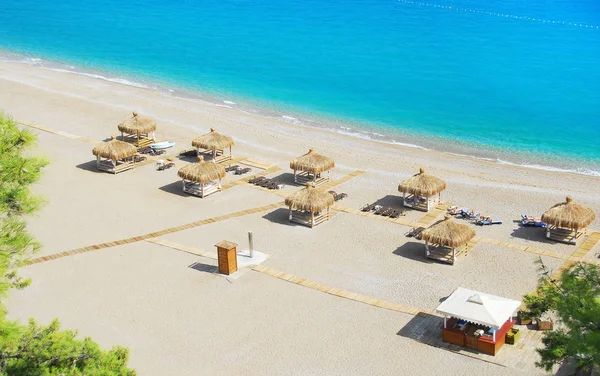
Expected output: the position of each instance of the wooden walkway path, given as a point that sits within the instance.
(155, 234)
(337, 292)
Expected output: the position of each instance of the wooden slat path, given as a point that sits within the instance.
(348, 177)
(155, 234)
(337, 292)
(56, 132)
(254, 163)
(586, 246)
(182, 247)
(434, 213)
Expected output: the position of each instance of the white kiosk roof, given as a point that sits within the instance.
(478, 307)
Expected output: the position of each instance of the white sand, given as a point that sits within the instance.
(179, 319)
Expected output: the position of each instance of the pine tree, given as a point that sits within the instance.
(33, 349)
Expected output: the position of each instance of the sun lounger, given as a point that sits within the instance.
(415, 232)
(387, 212)
(264, 183)
(232, 168)
(336, 196)
(531, 223)
(256, 179)
(379, 209)
(367, 207)
(488, 221)
(241, 171)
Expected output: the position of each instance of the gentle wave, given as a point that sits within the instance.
(319, 124)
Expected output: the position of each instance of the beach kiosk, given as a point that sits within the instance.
(477, 320)
(201, 178)
(310, 206)
(565, 221)
(138, 130)
(310, 168)
(214, 143)
(421, 191)
(114, 156)
(444, 237)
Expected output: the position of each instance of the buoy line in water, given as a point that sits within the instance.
(503, 15)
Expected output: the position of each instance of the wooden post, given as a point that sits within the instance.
(427, 203)
(219, 184)
(183, 184)
(202, 187)
(138, 138)
(290, 213)
(427, 253)
(295, 179)
(444, 322)
(453, 255)
(312, 219)
(230, 155)
(328, 213)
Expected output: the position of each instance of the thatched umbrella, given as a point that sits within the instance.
(569, 215)
(447, 233)
(214, 141)
(113, 151)
(422, 185)
(201, 172)
(137, 125)
(312, 163)
(310, 200)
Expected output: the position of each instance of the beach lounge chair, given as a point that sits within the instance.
(241, 171)
(531, 223)
(264, 183)
(231, 168)
(468, 214)
(488, 221)
(367, 207)
(387, 212)
(379, 209)
(415, 232)
(256, 179)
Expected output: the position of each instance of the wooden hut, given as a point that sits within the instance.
(114, 156)
(419, 192)
(310, 206)
(443, 237)
(201, 178)
(214, 143)
(565, 221)
(310, 167)
(138, 130)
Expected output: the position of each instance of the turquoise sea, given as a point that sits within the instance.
(514, 81)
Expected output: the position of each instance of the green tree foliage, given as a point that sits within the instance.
(575, 299)
(33, 349)
(44, 350)
(17, 172)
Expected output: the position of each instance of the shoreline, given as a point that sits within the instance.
(345, 127)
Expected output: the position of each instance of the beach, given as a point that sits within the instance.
(178, 316)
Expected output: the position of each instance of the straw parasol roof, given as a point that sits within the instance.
(310, 199)
(114, 149)
(422, 184)
(202, 172)
(569, 215)
(213, 141)
(312, 162)
(137, 125)
(448, 233)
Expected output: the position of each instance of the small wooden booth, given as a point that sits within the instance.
(310, 168)
(565, 221)
(477, 320)
(215, 144)
(227, 257)
(114, 156)
(201, 178)
(138, 130)
(421, 191)
(443, 237)
(310, 206)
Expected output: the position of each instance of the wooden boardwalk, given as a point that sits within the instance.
(155, 234)
(337, 292)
